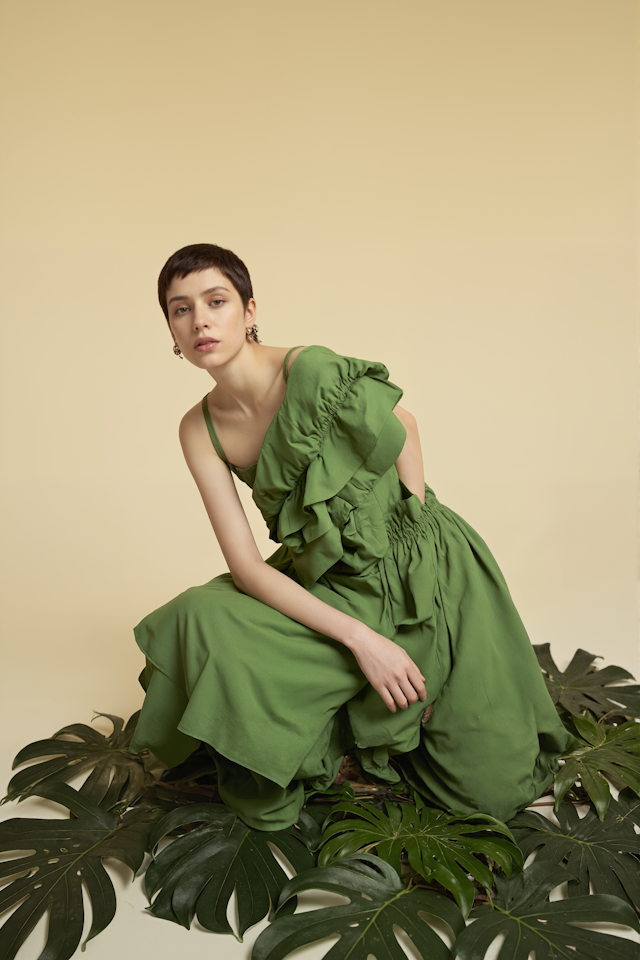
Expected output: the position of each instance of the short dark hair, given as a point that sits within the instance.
(201, 256)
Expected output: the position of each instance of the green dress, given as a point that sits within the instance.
(277, 703)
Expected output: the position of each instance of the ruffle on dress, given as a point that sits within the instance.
(315, 478)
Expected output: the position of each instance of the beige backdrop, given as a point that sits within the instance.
(444, 185)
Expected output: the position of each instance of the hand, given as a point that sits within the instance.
(389, 670)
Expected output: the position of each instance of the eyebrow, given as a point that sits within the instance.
(203, 294)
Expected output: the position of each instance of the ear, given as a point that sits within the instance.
(251, 311)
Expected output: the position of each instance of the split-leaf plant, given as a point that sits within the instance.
(597, 853)
(599, 748)
(438, 845)
(582, 687)
(400, 862)
(116, 774)
(599, 709)
(378, 901)
(521, 910)
(197, 873)
(59, 857)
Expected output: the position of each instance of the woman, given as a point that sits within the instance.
(382, 623)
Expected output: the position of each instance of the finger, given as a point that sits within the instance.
(417, 670)
(387, 698)
(398, 695)
(408, 689)
(414, 673)
(418, 684)
(421, 690)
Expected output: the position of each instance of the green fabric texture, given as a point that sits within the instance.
(277, 703)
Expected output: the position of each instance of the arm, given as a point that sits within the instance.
(386, 665)
(409, 464)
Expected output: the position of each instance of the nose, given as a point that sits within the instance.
(200, 317)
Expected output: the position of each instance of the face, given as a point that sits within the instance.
(207, 317)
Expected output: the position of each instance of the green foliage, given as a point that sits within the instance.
(440, 846)
(192, 781)
(429, 862)
(626, 809)
(582, 687)
(64, 855)
(199, 767)
(118, 776)
(600, 747)
(332, 794)
(378, 901)
(594, 851)
(319, 813)
(196, 874)
(523, 912)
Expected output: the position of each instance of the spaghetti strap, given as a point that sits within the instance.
(212, 430)
(285, 372)
(209, 421)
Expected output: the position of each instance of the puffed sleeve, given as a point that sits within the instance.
(334, 439)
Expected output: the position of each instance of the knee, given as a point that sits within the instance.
(213, 595)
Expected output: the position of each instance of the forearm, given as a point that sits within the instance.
(276, 589)
(384, 663)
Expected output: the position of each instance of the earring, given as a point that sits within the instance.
(252, 333)
(176, 350)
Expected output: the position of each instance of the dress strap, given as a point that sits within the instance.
(212, 430)
(285, 372)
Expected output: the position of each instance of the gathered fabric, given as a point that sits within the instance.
(278, 704)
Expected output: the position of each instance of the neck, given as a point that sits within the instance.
(245, 381)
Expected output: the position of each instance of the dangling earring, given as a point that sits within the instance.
(252, 333)
(176, 350)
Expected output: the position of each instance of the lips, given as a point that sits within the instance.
(204, 341)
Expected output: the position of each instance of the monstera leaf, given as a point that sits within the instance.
(197, 872)
(378, 902)
(118, 776)
(625, 810)
(439, 845)
(581, 687)
(64, 855)
(522, 911)
(592, 850)
(600, 747)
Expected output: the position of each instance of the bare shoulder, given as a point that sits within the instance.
(406, 419)
(194, 436)
(193, 421)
